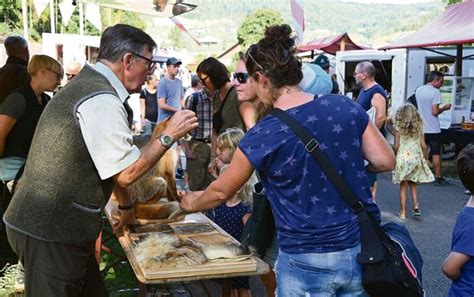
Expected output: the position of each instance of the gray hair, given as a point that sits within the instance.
(367, 67)
(194, 80)
(15, 45)
(121, 39)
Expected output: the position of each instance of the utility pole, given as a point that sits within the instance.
(51, 15)
(24, 13)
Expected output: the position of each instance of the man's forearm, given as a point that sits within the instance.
(151, 153)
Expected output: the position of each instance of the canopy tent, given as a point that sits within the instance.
(331, 44)
(455, 26)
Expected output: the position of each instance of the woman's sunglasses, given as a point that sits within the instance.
(241, 77)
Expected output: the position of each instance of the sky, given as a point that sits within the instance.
(393, 1)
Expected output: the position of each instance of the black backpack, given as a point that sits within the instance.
(412, 100)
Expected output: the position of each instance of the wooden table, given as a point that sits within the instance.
(261, 267)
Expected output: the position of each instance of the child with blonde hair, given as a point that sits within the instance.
(411, 151)
(234, 213)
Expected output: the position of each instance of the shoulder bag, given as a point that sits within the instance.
(390, 261)
(260, 228)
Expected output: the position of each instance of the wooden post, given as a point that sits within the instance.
(24, 12)
(51, 16)
(343, 43)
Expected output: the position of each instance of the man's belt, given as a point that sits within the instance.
(205, 140)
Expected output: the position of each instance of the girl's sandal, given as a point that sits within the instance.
(416, 212)
(402, 217)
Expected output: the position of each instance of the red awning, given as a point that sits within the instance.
(454, 26)
(331, 44)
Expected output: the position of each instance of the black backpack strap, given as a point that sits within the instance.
(312, 146)
(366, 222)
(195, 101)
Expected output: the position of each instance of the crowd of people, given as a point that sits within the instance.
(66, 156)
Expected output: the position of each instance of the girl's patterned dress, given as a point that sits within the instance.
(230, 219)
(411, 164)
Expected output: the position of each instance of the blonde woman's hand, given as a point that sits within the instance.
(187, 201)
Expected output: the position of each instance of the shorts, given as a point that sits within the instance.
(433, 141)
(372, 178)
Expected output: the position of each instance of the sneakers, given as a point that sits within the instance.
(402, 217)
(440, 181)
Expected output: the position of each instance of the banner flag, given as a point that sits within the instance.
(182, 28)
(297, 12)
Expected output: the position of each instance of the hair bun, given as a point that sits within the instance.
(280, 35)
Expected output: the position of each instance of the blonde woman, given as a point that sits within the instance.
(20, 112)
(411, 151)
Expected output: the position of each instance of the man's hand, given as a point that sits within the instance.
(181, 123)
(127, 217)
(447, 106)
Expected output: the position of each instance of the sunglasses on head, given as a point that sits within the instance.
(241, 77)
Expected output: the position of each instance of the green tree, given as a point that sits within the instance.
(253, 26)
(175, 37)
(10, 16)
(452, 1)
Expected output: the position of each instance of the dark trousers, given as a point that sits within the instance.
(6, 253)
(198, 174)
(55, 269)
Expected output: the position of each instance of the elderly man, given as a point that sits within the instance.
(371, 95)
(73, 69)
(81, 152)
(170, 90)
(14, 73)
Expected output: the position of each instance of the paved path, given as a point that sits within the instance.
(432, 231)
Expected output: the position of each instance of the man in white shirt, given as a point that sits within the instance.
(428, 99)
(82, 151)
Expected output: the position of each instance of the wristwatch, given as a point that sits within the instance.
(166, 140)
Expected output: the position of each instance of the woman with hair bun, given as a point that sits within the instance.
(317, 232)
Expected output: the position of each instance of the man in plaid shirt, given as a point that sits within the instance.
(198, 150)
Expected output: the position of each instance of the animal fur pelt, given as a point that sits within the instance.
(164, 168)
(161, 250)
(155, 184)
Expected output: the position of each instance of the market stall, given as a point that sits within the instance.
(455, 26)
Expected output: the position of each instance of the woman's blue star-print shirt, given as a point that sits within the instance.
(310, 215)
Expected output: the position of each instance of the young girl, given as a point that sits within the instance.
(411, 151)
(234, 213)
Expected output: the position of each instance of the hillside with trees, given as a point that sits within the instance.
(368, 24)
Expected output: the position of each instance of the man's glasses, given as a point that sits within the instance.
(249, 55)
(241, 77)
(151, 63)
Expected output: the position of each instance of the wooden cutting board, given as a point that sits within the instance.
(217, 268)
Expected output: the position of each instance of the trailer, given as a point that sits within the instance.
(400, 71)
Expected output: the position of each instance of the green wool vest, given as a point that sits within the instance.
(60, 196)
